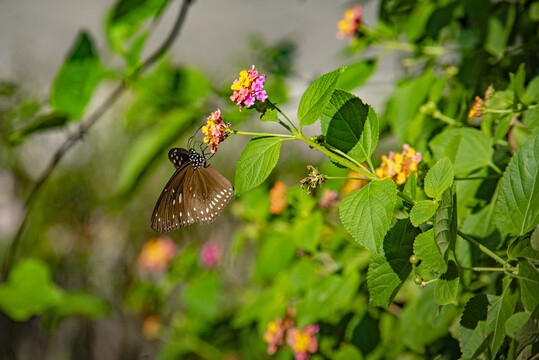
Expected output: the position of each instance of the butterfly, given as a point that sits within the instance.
(195, 193)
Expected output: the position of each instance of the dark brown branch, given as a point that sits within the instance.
(85, 127)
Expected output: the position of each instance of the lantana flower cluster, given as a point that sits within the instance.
(215, 130)
(210, 255)
(302, 341)
(248, 88)
(477, 108)
(398, 166)
(349, 25)
(156, 254)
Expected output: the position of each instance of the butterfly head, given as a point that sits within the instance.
(197, 160)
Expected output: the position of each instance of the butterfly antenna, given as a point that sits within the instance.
(189, 142)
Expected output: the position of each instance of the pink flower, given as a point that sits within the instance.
(303, 342)
(248, 88)
(156, 254)
(210, 255)
(328, 199)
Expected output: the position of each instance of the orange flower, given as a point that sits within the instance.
(156, 254)
(349, 25)
(277, 198)
(151, 327)
(477, 108)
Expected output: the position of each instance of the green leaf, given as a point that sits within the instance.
(348, 352)
(517, 81)
(29, 290)
(517, 205)
(422, 211)
(445, 224)
(256, 162)
(275, 254)
(309, 231)
(77, 79)
(388, 272)
(501, 308)
(350, 125)
(528, 277)
(426, 249)
(82, 304)
(366, 213)
(469, 149)
(532, 91)
(356, 74)
(125, 20)
(316, 97)
(202, 295)
(41, 123)
(410, 188)
(439, 178)
(499, 28)
(480, 224)
(152, 145)
(515, 322)
(447, 286)
(521, 248)
(502, 128)
(270, 115)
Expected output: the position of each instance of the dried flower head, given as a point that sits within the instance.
(314, 179)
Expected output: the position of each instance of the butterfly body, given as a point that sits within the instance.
(196, 192)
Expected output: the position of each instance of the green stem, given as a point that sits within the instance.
(495, 168)
(236, 132)
(406, 198)
(425, 283)
(501, 111)
(438, 115)
(483, 248)
(349, 157)
(477, 268)
(345, 178)
(343, 161)
(477, 177)
(283, 114)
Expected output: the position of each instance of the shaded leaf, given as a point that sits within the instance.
(528, 277)
(445, 224)
(446, 289)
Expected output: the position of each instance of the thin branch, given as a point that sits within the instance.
(85, 126)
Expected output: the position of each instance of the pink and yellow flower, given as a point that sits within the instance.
(248, 88)
(277, 198)
(215, 130)
(349, 25)
(156, 254)
(398, 166)
(274, 335)
(303, 342)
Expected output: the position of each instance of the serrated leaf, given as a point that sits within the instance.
(256, 162)
(366, 213)
(469, 149)
(439, 178)
(77, 79)
(447, 286)
(29, 290)
(521, 248)
(528, 277)
(426, 249)
(350, 125)
(480, 224)
(445, 224)
(316, 97)
(501, 129)
(517, 205)
(473, 330)
(388, 272)
(422, 211)
(500, 309)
